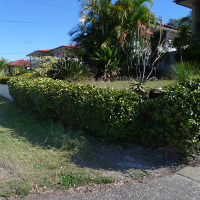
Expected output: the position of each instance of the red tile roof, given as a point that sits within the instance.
(66, 46)
(48, 50)
(69, 46)
(45, 50)
(20, 63)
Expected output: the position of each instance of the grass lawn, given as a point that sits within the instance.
(35, 154)
(126, 84)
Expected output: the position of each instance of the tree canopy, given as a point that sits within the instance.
(104, 24)
(181, 22)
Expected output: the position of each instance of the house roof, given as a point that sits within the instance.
(65, 46)
(40, 50)
(186, 3)
(49, 50)
(20, 63)
(169, 27)
(44, 50)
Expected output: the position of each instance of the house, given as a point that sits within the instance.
(168, 59)
(195, 6)
(18, 63)
(40, 53)
(57, 52)
(60, 51)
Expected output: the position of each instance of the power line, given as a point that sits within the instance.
(17, 21)
(11, 53)
(29, 22)
(50, 4)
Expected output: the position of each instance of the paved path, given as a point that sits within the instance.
(184, 185)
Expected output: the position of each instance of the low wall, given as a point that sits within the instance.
(4, 91)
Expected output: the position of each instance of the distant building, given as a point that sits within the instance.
(195, 6)
(57, 52)
(18, 63)
(40, 53)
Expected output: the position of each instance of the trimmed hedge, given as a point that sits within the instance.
(101, 111)
(171, 120)
(4, 80)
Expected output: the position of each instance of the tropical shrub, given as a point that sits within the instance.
(184, 71)
(106, 60)
(23, 70)
(45, 64)
(69, 68)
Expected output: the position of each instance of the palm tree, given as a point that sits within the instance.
(108, 25)
(3, 64)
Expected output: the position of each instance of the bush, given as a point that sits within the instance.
(22, 71)
(4, 80)
(45, 64)
(101, 111)
(184, 71)
(171, 120)
(69, 68)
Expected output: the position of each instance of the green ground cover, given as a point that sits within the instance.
(35, 153)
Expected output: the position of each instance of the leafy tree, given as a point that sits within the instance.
(3, 63)
(151, 46)
(181, 22)
(105, 24)
(188, 48)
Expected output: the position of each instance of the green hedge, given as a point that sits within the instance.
(4, 80)
(171, 120)
(101, 111)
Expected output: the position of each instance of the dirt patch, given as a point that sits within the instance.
(6, 172)
(120, 162)
(129, 166)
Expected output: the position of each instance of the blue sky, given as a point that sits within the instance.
(29, 25)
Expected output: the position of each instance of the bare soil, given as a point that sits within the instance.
(134, 165)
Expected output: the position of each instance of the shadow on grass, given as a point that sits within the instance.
(84, 151)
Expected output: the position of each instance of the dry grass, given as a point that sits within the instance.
(33, 152)
(126, 84)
